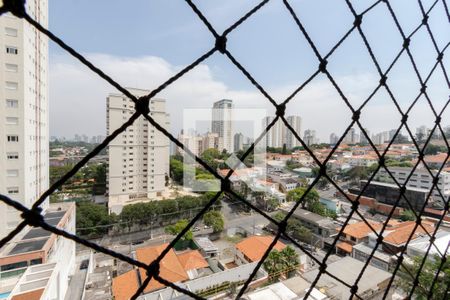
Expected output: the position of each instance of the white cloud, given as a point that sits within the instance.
(78, 96)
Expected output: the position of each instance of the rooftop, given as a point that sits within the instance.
(348, 269)
(254, 247)
(361, 229)
(173, 267)
(439, 246)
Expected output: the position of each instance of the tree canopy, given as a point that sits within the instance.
(214, 219)
(178, 227)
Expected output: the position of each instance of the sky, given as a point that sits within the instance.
(143, 44)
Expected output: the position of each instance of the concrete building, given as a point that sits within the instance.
(274, 137)
(333, 139)
(279, 134)
(21, 258)
(389, 193)
(371, 284)
(24, 138)
(139, 157)
(310, 137)
(222, 122)
(296, 123)
(352, 137)
(421, 179)
(238, 142)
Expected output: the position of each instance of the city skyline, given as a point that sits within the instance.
(159, 56)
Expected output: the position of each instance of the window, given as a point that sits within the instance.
(12, 155)
(12, 120)
(11, 68)
(10, 85)
(13, 190)
(11, 50)
(10, 31)
(13, 138)
(12, 173)
(36, 261)
(11, 103)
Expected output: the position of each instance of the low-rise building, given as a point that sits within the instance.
(253, 248)
(354, 234)
(372, 283)
(419, 246)
(173, 267)
(35, 246)
(321, 227)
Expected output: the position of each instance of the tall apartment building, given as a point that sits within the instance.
(421, 179)
(138, 161)
(24, 133)
(352, 137)
(296, 123)
(279, 134)
(310, 137)
(222, 122)
(238, 142)
(333, 139)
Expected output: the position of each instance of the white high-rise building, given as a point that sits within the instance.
(222, 122)
(310, 137)
(139, 157)
(296, 123)
(238, 142)
(24, 133)
(279, 134)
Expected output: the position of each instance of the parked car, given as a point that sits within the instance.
(137, 242)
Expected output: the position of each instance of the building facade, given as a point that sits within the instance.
(238, 142)
(296, 123)
(24, 138)
(222, 122)
(138, 159)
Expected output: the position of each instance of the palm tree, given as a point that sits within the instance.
(290, 259)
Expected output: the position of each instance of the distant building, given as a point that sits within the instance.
(280, 135)
(139, 157)
(362, 138)
(296, 123)
(238, 142)
(352, 137)
(334, 139)
(389, 193)
(421, 179)
(310, 137)
(222, 122)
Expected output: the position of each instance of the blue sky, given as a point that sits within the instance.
(154, 39)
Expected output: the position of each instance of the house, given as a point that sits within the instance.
(419, 246)
(395, 237)
(354, 234)
(288, 184)
(206, 247)
(173, 267)
(253, 248)
(321, 227)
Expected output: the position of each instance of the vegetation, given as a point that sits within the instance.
(426, 278)
(297, 193)
(89, 180)
(295, 228)
(283, 262)
(214, 219)
(281, 150)
(407, 215)
(178, 227)
(432, 149)
(93, 219)
(293, 164)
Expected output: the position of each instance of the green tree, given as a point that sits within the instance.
(293, 164)
(282, 262)
(297, 193)
(93, 219)
(214, 219)
(407, 215)
(426, 278)
(176, 228)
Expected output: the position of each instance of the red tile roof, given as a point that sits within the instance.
(192, 260)
(254, 247)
